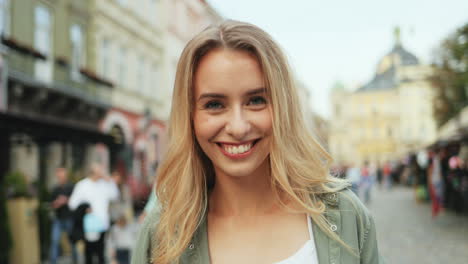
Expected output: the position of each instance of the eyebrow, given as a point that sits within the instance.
(217, 95)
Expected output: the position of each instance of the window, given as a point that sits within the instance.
(122, 66)
(141, 75)
(43, 43)
(154, 80)
(389, 132)
(337, 110)
(78, 51)
(422, 131)
(105, 64)
(4, 17)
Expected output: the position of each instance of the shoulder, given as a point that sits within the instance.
(347, 200)
(83, 182)
(356, 219)
(344, 200)
(145, 241)
(347, 203)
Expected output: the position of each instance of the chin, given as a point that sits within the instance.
(242, 170)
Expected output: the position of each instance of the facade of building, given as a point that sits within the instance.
(389, 116)
(315, 123)
(127, 48)
(184, 19)
(136, 45)
(51, 99)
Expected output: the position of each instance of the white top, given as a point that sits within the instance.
(122, 237)
(98, 194)
(307, 253)
(353, 174)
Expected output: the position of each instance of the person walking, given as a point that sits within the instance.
(353, 175)
(367, 176)
(436, 184)
(121, 238)
(97, 190)
(62, 221)
(387, 176)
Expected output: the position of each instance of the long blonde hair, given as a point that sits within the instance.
(299, 165)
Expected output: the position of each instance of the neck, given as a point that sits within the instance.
(242, 196)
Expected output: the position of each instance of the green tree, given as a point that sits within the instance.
(450, 77)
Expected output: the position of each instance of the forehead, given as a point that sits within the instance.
(227, 70)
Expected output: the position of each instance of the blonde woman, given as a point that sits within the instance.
(243, 181)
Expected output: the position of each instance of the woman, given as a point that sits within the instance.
(243, 181)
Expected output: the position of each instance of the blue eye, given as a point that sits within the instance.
(257, 100)
(213, 105)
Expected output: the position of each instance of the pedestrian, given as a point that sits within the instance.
(353, 175)
(121, 238)
(367, 180)
(387, 175)
(62, 221)
(243, 180)
(97, 190)
(123, 205)
(379, 176)
(436, 184)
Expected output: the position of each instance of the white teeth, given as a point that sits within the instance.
(237, 149)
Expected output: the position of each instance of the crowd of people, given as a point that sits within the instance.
(363, 178)
(438, 174)
(97, 212)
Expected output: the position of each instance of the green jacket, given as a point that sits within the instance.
(347, 216)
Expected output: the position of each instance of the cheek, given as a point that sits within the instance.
(205, 126)
(264, 122)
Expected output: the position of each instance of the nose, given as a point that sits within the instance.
(238, 126)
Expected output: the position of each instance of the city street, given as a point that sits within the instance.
(407, 233)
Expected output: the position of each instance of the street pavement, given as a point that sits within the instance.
(407, 233)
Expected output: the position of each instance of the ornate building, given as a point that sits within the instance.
(388, 116)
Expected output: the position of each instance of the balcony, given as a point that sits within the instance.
(21, 66)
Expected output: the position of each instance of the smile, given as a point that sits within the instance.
(237, 150)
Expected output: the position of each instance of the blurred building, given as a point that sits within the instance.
(185, 18)
(136, 45)
(51, 95)
(51, 98)
(388, 116)
(315, 123)
(127, 47)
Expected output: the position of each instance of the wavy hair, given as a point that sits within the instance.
(299, 164)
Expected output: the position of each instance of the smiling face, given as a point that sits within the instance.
(231, 115)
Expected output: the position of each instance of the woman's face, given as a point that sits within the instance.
(232, 118)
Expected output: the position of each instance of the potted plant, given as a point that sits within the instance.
(5, 242)
(21, 208)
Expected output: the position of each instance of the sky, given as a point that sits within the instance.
(330, 41)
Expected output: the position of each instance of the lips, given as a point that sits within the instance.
(237, 150)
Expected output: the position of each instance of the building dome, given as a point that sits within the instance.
(395, 58)
(385, 77)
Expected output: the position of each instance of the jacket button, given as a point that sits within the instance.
(333, 228)
(192, 246)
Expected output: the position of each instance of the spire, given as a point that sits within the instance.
(397, 35)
